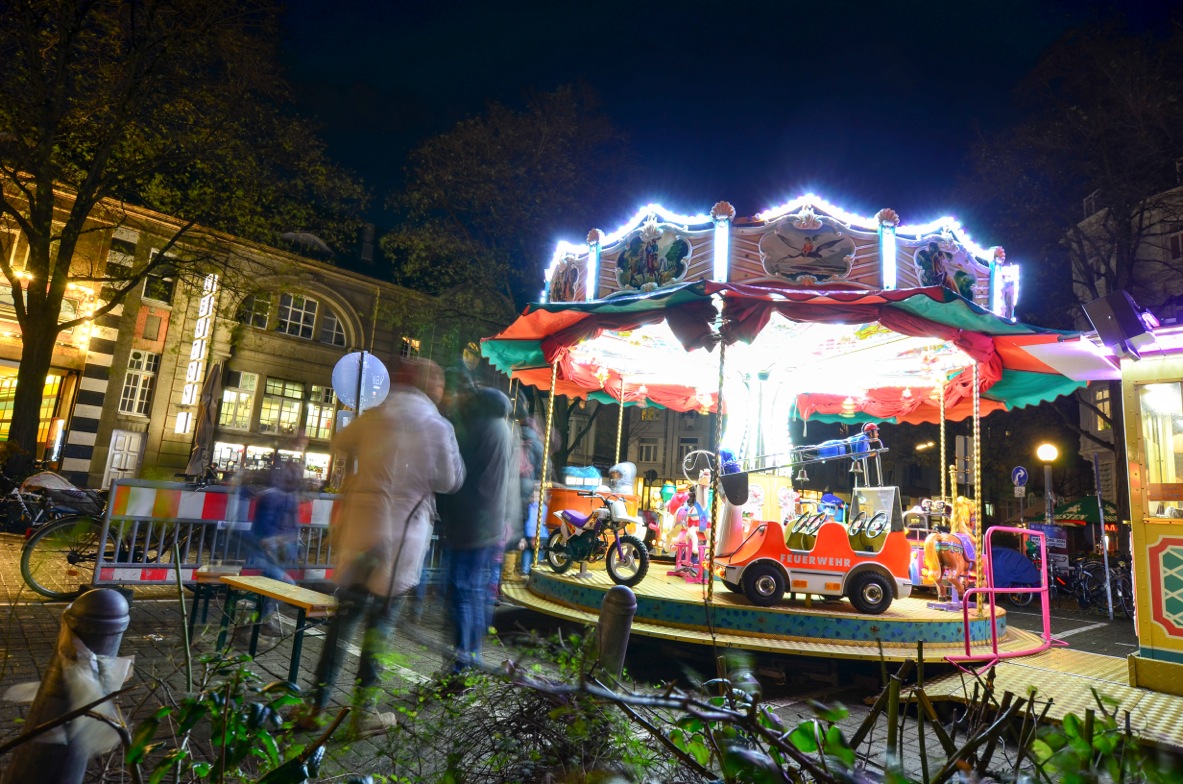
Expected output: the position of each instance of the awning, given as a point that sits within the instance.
(1083, 511)
(844, 355)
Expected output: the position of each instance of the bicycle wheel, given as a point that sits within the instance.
(1123, 595)
(60, 556)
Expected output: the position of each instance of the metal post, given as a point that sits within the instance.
(716, 479)
(977, 468)
(620, 423)
(944, 452)
(1104, 543)
(616, 623)
(1048, 513)
(97, 619)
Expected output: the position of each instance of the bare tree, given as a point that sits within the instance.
(174, 105)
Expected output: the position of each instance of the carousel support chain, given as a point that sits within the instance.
(708, 576)
(543, 483)
(979, 571)
(620, 423)
(941, 462)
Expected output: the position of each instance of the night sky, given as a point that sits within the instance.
(867, 104)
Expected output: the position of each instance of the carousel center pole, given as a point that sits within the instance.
(709, 576)
(543, 483)
(978, 528)
(620, 423)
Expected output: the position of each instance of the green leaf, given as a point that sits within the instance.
(677, 736)
(1072, 726)
(139, 742)
(202, 769)
(1041, 750)
(804, 738)
(690, 724)
(270, 747)
(698, 749)
(831, 714)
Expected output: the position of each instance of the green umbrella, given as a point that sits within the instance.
(1083, 511)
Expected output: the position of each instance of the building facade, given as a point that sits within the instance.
(124, 396)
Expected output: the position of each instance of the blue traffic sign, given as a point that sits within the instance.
(1018, 475)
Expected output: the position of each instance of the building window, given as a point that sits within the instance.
(647, 450)
(238, 398)
(1090, 204)
(688, 420)
(138, 383)
(151, 328)
(49, 399)
(1175, 244)
(297, 316)
(409, 348)
(1101, 401)
(160, 283)
(255, 310)
(282, 404)
(121, 258)
(321, 406)
(685, 447)
(650, 414)
(331, 331)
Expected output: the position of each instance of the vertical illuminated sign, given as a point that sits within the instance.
(723, 213)
(203, 329)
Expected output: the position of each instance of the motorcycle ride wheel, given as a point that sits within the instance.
(1020, 599)
(627, 561)
(556, 554)
(60, 556)
(870, 593)
(763, 584)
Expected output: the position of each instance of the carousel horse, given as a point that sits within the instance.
(949, 557)
(946, 562)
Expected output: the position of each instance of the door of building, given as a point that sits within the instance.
(123, 459)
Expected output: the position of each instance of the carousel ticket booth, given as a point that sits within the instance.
(802, 312)
(1152, 391)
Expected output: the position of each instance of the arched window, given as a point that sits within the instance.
(297, 315)
(255, 310)
(331, 331)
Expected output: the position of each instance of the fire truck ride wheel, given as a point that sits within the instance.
(731, 586)
(870, 593)
(763, 584)
(556, 554)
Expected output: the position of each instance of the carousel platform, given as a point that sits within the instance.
(672, 609)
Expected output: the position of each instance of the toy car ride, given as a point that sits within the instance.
(867, 561)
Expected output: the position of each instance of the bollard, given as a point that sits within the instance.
(97, 619)
(616, 622)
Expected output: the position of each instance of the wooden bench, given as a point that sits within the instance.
(308, 604)
(207, 581)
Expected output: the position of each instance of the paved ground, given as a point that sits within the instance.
(29, 627)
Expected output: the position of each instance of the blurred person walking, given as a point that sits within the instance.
(405, 451)
(531, 481)
(274, 535)
(475, 518)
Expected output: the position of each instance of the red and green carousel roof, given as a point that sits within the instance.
(846, 355)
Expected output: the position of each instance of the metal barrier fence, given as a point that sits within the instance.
(210, 527)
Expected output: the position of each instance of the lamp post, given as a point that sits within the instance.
(1048, 454)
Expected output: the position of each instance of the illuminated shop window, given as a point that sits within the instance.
(138, 383)
(238, 398)
(321, 406)
(49, 396)
(297, 316)
(282, 404)
(409, 348)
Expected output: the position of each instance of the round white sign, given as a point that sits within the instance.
(374, 380)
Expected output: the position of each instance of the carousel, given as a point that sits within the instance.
(804, 313)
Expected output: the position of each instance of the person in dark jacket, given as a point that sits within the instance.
(474, 519)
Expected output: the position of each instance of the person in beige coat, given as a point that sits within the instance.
(397, 456)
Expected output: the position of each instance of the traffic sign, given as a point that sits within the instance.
(360, 372)
(1018, 475)
(1020, 491)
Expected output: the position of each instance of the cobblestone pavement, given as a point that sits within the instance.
(29, 627)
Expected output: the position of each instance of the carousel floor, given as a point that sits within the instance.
(670, 608)
(1070, 677)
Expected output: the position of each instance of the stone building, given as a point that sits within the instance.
(124, 394)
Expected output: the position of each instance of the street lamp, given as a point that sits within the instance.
(1048, 454)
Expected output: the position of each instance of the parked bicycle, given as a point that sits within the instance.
(62, 555)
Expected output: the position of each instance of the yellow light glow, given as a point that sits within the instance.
(1047, 452)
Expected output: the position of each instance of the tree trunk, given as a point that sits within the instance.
(36, 358)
